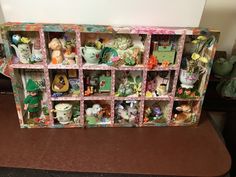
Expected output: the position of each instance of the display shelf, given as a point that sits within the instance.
(187, 99)
(98, 98)
(66, 98)
(60, 66)
(119, 71)
(128, 98)
(161, 68)
(23, 66)
(166, 97)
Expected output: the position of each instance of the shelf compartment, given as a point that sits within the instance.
(66, 114)
(164, 48)
(25, 47)
(185, 112)
(127, 113)
(97, 113)
(128, 83)
(112, 49)
(156, 113)
(39, 117)
(64, 84)
(97, 83)
(61, 48)
(159, 84)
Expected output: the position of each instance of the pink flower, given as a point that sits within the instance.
(114, 59)
(188, 92)
(180, 91)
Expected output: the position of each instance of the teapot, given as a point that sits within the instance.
(223, 67)
(90, 54)
(23, 52)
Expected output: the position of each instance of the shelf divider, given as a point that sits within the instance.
(178, 64)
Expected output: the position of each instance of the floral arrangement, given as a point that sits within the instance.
(198, 58)
(187, 93)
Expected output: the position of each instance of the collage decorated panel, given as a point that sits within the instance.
(68, 75)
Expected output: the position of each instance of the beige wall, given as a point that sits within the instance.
(221, 15)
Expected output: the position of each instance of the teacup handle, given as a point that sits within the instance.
(82, 51)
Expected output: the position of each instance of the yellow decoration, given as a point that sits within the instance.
(195, 41)
(60, 83)
(202, 38)
(195, 56)
(203, 59)
(148, 94)
(25, 40)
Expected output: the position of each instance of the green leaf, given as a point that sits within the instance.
(130, 78)
(138, 79)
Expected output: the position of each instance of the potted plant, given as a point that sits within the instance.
(196, 64)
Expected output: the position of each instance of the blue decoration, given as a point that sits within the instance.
(16, 39)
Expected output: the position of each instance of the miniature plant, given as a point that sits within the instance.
(198, 58)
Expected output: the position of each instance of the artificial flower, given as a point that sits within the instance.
(203, 59)
(195, 41)
(180, 91)
(195, 56)
(25, 40)
(187, 92)
(202, 38)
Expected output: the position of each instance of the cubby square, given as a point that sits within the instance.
(156, 113)
(25, 47)
(97, 113)
(61, 48)
(112, 49)
(128, 83)
(185, 112)
(159, 83)
(164, 48)
(97, 83)
(64, 83)
(31, 102)
(127, 113)
(66, 114)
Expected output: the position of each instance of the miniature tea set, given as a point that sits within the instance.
(117, 51)
(25, 52)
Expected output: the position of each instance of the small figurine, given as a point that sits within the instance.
(69, 55)
(33, 100)
(60, 83)
(127, 113)
(184, 113)
(94, 113)
(165, 64)
(56, 47)
(152, 62)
